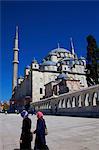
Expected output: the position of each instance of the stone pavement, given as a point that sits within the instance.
(65, 133)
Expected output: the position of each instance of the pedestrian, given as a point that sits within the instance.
(41, 131)
(26, 135)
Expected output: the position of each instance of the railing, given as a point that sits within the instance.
(79, 101)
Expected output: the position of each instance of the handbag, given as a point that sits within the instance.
(46, 131)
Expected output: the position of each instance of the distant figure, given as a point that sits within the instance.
(56, 109)
(26, 135)
(27, 106)
(6, 112)
(41, 131)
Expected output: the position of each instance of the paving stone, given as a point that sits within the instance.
(65, 133)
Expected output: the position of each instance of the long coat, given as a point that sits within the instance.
(40, 141)
(26, 135)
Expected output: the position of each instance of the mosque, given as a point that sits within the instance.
(59, 72)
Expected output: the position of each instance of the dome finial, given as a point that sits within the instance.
(72, 46)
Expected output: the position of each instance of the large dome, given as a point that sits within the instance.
(60, 50)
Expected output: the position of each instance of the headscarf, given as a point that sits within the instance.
(24, 114)
(39, 114)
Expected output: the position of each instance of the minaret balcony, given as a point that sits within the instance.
(16, 49)
(15, 61)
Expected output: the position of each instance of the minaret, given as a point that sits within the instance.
(72, 46)
(15, 61)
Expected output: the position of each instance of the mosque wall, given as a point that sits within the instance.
(37, 86)
(82, 79)
(23, 89)
(51, 68)
(73, 85)
(39, 79)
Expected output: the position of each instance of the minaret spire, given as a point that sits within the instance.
(15, 61)
(16, 32)
(58, 45)
(72, 46)
(16, 39)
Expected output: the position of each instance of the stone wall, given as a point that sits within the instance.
(81, 103)
(39, 79)
(23, 89)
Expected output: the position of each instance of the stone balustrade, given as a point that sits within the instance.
(80, 103)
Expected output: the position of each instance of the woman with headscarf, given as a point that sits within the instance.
(26, 135)
(40, 141)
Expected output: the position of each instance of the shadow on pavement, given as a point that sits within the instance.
(19, 149)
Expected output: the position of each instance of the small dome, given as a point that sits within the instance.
(20, 77)
(63, 76)
(28, 67)
(48, 63)
(83, 58)
(60, 50)
(63, 62)
(77, 62)
(34, 61)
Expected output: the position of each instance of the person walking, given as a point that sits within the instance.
(26, 135)
(41, 131)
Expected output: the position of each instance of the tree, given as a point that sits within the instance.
(92, 61)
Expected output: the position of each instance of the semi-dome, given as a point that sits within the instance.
(62, 76)
(60, 50)
(65, 59)
(63, 62)
(53, 53)
(48, 63)
(68, 58)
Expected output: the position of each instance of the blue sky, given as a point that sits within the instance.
(42, 25)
